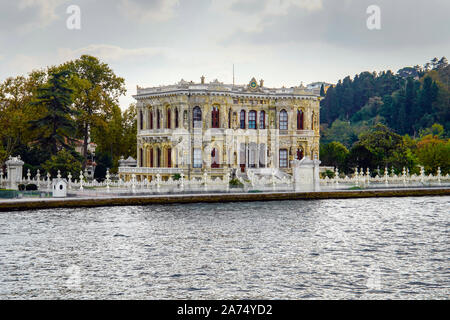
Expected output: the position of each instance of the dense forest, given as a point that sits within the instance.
(408, 112)
(49, 112)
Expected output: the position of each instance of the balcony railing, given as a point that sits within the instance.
(146, 170)
(305, 132)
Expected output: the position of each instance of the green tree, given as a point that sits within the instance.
(386, 145)
(341, 131)
(322, 91)
(359, 156)
(97, 92)
(433, 152)
(16, 94)
(436, 130)
(118, 136)
(65, 161)
(333, 154)
(104, 162)
(56, 127)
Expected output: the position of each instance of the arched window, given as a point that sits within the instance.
(158, 119)
(262, 155)
(252, 154)
(283, 158)
(242, 119)
(141, 157)
(197, 158)
(229, 119)
(312, 121)
(215, 117)
(262, 120)
(299, 154)
(150, 119)
(158, 158)
(214, 158)
(141, 120)
(242, 156)
(176, 119)
(151, 158)
(252, 119)
(299, 120)
(197, 117)
(168, 126)
(169, 158)
(283, 120)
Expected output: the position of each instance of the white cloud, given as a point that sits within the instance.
(148, 10)
(110, 53)
(276, 7)
(45, 13)
(251, 15)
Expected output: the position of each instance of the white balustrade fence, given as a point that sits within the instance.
(266, 180)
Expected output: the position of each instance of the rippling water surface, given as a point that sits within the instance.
(358, 249)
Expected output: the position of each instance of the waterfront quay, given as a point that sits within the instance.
(105, 200)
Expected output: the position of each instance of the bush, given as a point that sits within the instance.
(176, 177)
(21, 187)
(235, 183)
(327, 173)
(65, 161)
(31, 187)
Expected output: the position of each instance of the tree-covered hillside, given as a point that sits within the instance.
(386, 119)
(412, 99)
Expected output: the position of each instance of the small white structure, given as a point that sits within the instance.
(129, 162)
(306, 174)
(14, 168)
(59, 188)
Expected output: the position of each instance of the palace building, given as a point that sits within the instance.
(193, 128)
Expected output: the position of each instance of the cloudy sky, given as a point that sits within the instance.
(284, 42)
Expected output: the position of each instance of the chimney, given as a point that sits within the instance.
(202, 79)
(261, 83)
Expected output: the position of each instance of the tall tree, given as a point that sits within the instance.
(322, 91)
(16, 95)
(57, 127)
(118, 137)
(97, 91)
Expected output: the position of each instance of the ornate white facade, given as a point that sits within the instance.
(193, 128)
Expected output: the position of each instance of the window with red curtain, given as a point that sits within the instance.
(214, 158)
(168, 119)
(151, 119)
(158, 119)
(151, 158)
(215, 117)
(158, 159)
(299, 154)
(299, 120)
(169, 158)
